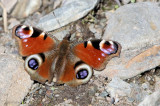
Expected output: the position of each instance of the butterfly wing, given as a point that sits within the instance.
(37, 48)
(97, 53)
(32, 40)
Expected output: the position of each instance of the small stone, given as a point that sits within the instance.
(130, 99)
(50, 85)
(145, 86)
(40, 91)
(126, 1)
(104, 94)
(92, 90)
(68, 101)
(49, 93)
(96, 94)
(118, 87)
(57, 95)
(112, 101)
(44, 99)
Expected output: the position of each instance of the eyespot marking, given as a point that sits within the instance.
(33, 64)
(23, 31)
(108, 47)
(82, 74)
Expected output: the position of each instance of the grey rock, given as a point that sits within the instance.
(125, 1)
(61, 34)
(112, 101)
(29, 7)
(130, 99)
(104, 94)
(70, 11)
(13, 22)
(14, 81)
(93, 90)
(40, 91)
(33, 19)
(138, 93)
(97, 30)
(151, 100)
(145, 86)
(1, 11)
(96, 94)
(157, 84)
(136, 27)
(9, 4)
(118, 87)
(118, 2)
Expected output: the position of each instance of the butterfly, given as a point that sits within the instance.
(47, 58)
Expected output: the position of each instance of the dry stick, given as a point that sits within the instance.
(4, 17)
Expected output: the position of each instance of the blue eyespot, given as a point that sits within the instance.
(33, 64)
(82, 74)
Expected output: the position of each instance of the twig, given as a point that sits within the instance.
(118, 2)
(4, 17)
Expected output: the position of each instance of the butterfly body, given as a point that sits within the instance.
(48, 59)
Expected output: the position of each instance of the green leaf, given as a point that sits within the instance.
(116, 6)
(133, 1)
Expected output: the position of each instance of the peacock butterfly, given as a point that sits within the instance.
(70, 63)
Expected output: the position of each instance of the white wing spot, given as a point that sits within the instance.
(89, 43)
(23, 26)
(101, 44)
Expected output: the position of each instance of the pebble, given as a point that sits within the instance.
(40, 91)
(126, 1)
(118, 87)
(96, 94)
(49, 93)
(112, 101)
(104, 94)
(56, 95)
(129, 99)
(145, 86)
(92, 91)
